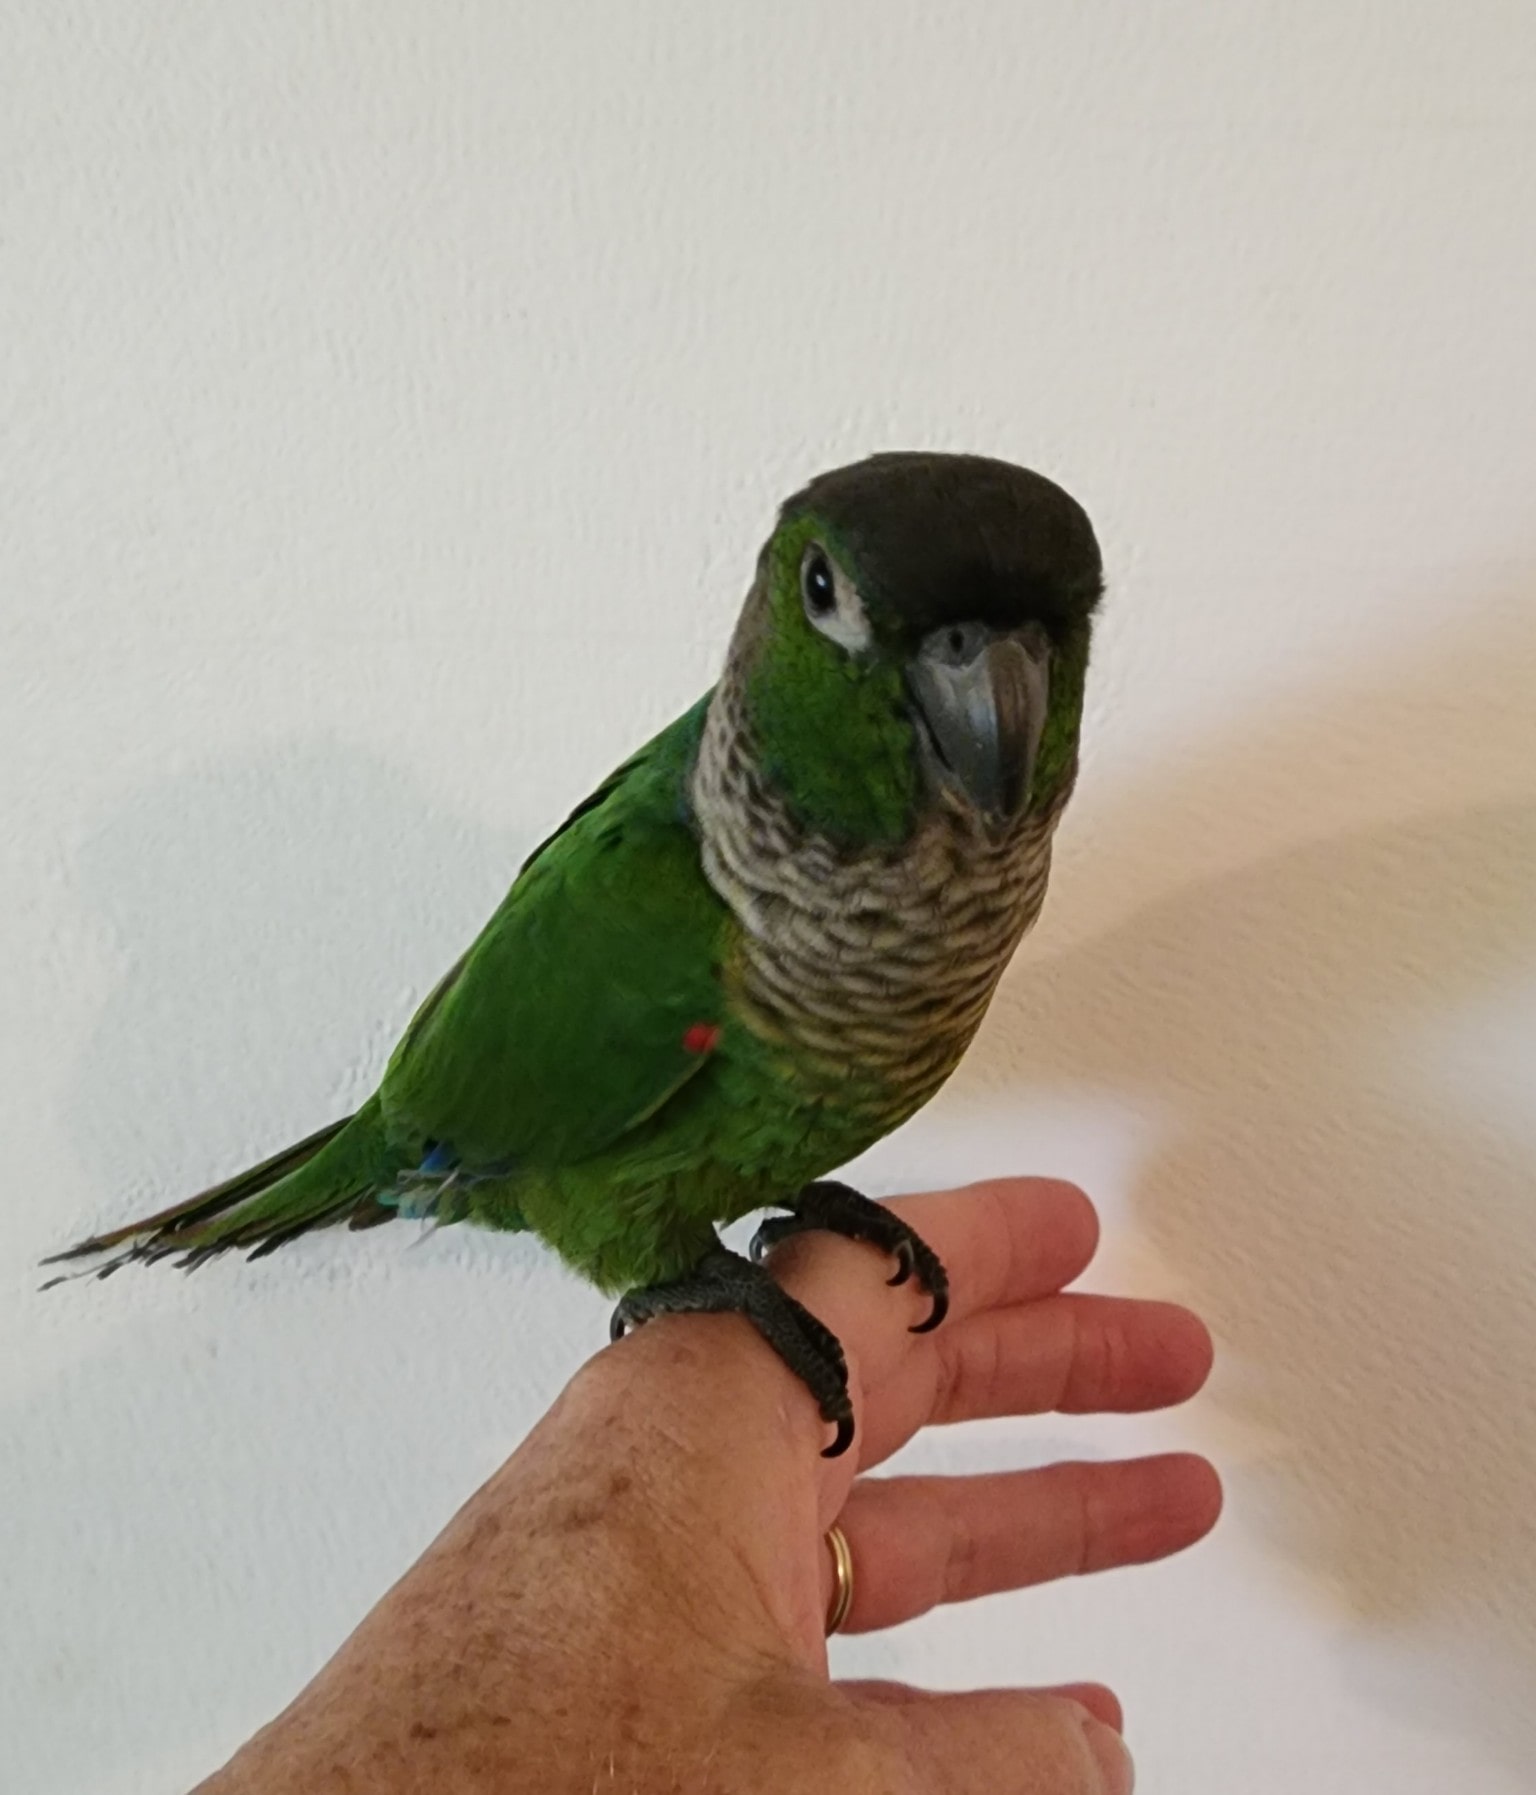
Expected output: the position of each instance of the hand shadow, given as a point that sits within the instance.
(1347, 1187)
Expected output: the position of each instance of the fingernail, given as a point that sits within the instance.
(1109, 1753)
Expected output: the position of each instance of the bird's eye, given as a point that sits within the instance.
(816, 587)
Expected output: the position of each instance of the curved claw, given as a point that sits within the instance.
(617, 1326)
(844, 1438)
(936, 1314)
(906, 1262)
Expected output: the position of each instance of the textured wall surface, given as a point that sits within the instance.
(392, 398)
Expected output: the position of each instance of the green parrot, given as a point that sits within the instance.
(761, 944)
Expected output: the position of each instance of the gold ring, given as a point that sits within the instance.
(842, 1579)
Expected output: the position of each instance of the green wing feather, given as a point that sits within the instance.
(565, 1024)
(562, 1027)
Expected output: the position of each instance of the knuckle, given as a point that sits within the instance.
(1098, 1363)
(970, 1365)
(958, 1579)
(1089, 1555)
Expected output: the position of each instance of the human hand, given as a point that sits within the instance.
(637, 1598)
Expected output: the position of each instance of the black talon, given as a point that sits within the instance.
(839, 1209)
(936, 1315)
(767, 1236)
(725, 1283)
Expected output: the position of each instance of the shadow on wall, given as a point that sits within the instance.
(274, 921)
(277, 921)
(1357, 1222)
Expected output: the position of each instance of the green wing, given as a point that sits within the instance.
(565, 1024)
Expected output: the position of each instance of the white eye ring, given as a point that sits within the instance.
(832, 603)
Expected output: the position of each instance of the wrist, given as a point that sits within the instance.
(595, 1576)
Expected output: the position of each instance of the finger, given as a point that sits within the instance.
(1004, 1742)
(917, 1542)
(1103, 1704)
(1072, 1354)
(1007, 1241)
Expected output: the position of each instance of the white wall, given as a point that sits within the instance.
(392, 399)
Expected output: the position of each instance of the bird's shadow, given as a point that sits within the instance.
(275, 920)
(1346, 1185)
(269, 922)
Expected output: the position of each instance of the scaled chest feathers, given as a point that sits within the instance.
(882, 957)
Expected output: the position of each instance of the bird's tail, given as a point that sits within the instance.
(337, 1174)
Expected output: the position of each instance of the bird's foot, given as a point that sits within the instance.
(839, 1209)
(724, 1283)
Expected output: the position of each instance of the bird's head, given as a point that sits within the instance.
(918, 634)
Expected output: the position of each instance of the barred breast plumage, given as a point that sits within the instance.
(880, 960)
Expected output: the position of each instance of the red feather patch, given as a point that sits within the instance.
(700, 1038)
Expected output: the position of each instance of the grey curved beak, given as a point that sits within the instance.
(983, 695)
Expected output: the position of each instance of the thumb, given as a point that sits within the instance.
(1007, 1742)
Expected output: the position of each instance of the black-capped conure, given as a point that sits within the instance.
(761, 944)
